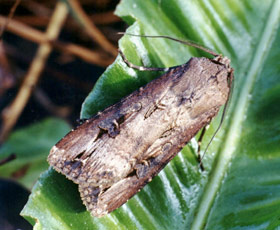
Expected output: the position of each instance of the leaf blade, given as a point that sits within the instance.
(233, 27)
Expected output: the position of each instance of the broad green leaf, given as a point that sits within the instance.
(240, 188)
(31, 145)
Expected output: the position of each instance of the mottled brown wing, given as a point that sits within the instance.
(114, 154)
(100, 203)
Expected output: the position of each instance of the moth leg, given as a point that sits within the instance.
(198, 149)
(143, 68)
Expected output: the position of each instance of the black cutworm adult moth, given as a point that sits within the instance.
(115, 153)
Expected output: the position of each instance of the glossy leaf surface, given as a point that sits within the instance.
(240, 188)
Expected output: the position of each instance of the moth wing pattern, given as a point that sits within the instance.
(87, 153)
(115, 153)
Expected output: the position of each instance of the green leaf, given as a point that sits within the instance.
(240, 188)
(31, 145)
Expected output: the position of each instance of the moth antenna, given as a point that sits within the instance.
(143, 68)
(189, 43)
(231, 83)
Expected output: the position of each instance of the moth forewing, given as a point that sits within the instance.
(115, 153)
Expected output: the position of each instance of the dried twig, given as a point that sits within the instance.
(7, 79)
(91, 29)
(104, 18)
(11, 114)
(11, 14)
(37, 36)
(93, 57)
(37, 8)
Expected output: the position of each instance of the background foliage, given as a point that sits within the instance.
(240, 187)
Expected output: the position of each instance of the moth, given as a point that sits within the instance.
(112, 155)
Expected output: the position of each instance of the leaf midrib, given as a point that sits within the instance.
(232, 137)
